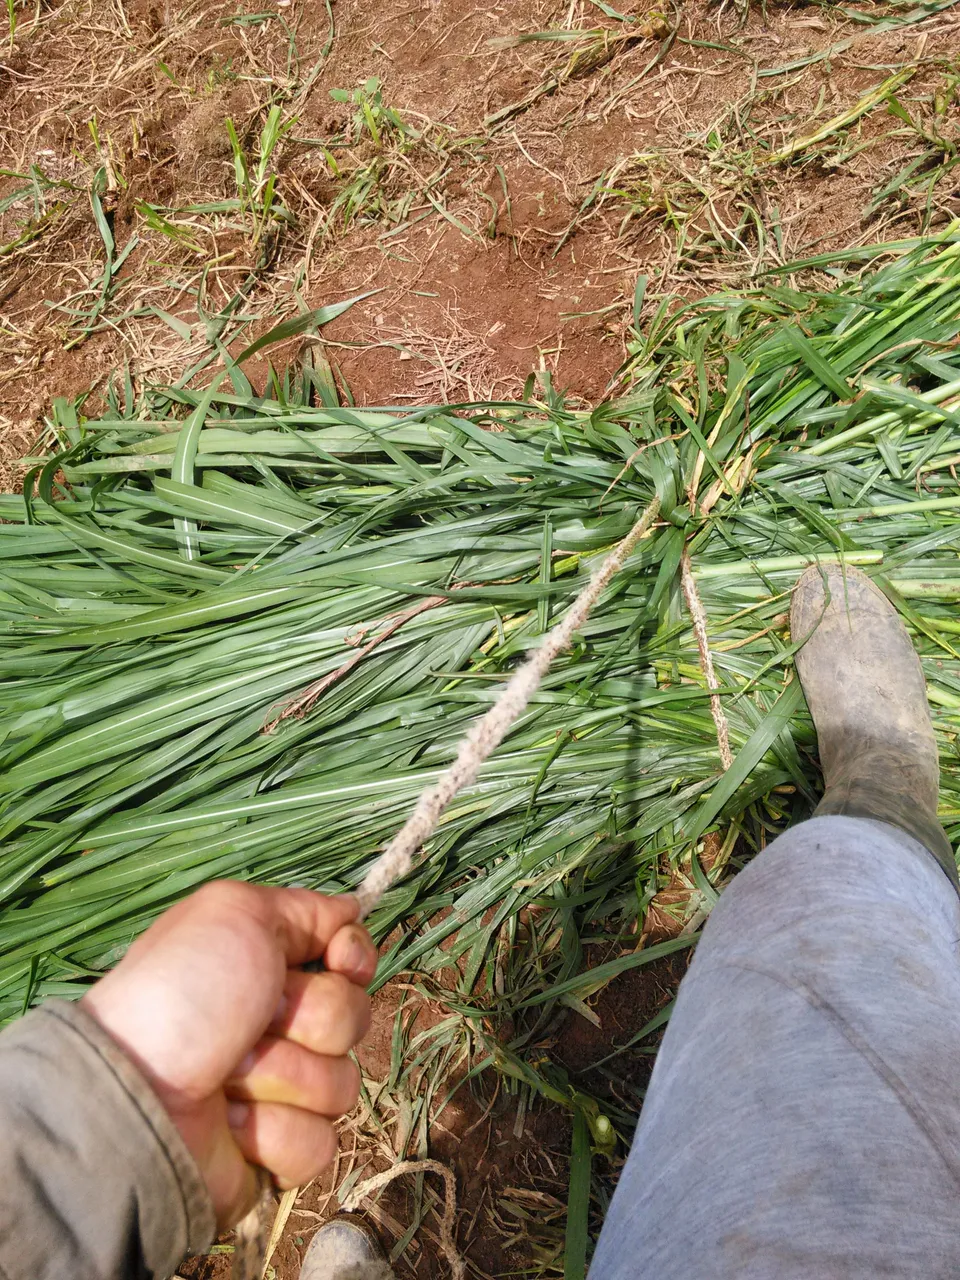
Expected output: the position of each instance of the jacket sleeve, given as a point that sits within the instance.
(95, 1181)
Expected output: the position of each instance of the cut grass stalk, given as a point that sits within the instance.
(213, 558)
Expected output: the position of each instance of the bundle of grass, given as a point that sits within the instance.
(241, 633)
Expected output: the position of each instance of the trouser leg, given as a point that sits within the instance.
(803, 1117)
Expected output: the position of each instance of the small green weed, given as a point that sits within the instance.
(259, 201)
(179, 230)
(372, 116)
(932, 123)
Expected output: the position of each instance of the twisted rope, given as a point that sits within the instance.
(477, 746)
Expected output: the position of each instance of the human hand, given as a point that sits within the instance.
(247, 1053)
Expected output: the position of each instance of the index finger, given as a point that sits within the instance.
(305, 922)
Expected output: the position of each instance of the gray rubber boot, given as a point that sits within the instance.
(865, 689)
(345, 1249)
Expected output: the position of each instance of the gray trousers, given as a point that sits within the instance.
(803, 1118)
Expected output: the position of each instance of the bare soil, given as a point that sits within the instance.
(509, 263)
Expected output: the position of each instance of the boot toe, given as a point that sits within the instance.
(831, 592)
(345, 1249)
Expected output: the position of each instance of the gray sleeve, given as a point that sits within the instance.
(95, 1181)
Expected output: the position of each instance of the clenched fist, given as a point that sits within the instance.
(247, 1052)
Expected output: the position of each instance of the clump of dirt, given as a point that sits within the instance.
(201, 135)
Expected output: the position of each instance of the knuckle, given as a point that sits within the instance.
(303, 1161)
(221, 894)
(328, 1143)
(322, 1150)
(329, 1013)
(364, 1012)
(299, 1152)
(208, 894)
(338, 993)
(349, 1011)
(351, 1086)
(299, 1069)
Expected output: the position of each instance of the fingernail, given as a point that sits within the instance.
(351, 898)
(238, 1113)
(246, 1065)
(355, 955)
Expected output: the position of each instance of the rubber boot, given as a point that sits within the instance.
(345, 1248)
(865, 689)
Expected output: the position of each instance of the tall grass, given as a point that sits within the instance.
(240, 633)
